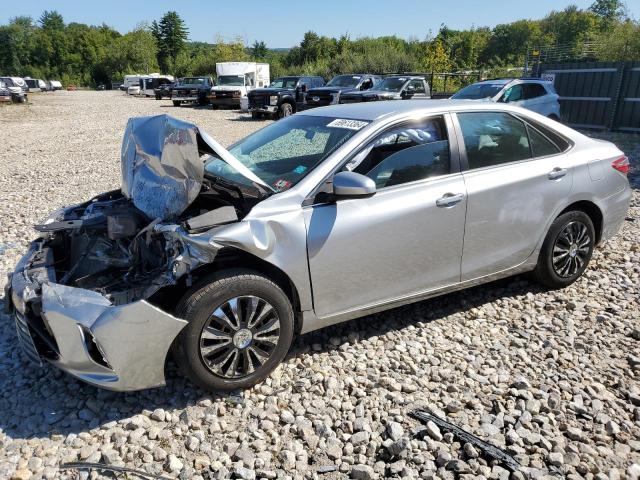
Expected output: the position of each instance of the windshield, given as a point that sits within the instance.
(391, 84)
(193, 81)
(283, 153)
(237, 80)
(344, 81)
(478, 91)
(7, 81)
(286, 82)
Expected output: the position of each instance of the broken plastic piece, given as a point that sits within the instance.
(103, 467)
(490, 450)
(209, 219)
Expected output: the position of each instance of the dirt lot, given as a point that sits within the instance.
(551, 376)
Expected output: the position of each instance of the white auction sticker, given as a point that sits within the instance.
(350, 124)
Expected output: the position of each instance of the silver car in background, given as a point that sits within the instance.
(222, 256)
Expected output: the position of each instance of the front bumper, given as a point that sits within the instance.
(121, 348)
(184, 99)
(264, 109)
(225, 101)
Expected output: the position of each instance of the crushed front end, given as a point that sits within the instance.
(81, 296)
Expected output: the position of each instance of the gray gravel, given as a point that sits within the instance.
(551, 376)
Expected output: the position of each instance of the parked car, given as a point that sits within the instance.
(192, 90)
(149, 84)
(530, 93)
(163, 90)
(56, 85)
(235, 80)
(17, 87)
(284, 97)
(394, 87)
(5, 93)
(33, 84)
(338, 85)
(222, 258)
(133, 90)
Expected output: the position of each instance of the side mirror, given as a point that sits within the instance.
(352, 184)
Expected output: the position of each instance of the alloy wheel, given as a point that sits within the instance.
(571, 249)
(239, 337)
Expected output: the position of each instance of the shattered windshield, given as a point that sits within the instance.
(283, 153)
(344, 81)
(478, 91)
(393, 84)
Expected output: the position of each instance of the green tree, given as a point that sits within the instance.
(171, 36)
(259, 50)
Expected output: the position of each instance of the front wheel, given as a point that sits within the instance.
(240, 328)
(566, 250)
(285, 110)
(176, 103)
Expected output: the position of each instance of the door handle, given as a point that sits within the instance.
(556, 173)
(449, 199)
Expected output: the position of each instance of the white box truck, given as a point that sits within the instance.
(235, 80)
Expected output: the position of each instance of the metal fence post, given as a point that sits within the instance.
(617, 96)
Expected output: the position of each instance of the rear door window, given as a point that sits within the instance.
(533, 90)
(541, 146)
(493, 138)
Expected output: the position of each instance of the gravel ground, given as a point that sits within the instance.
(551, 376)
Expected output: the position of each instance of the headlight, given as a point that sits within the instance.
(273, 100)
(213, 94)
(335, 98)
(236, 94)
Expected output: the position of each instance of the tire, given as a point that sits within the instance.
(158, 97)
(554, 117)
(571, 256)
(216, 293)
(256, 115)
(176, 103)
(285, 110)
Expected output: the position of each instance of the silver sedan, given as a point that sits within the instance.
(220, 256)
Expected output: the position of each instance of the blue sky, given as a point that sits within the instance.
(282, 24)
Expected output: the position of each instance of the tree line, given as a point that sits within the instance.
(87, 55)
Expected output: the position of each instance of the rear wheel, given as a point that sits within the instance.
(285, 110)
(566, 251)
(256, 115)
(176, 103)
(240, 328)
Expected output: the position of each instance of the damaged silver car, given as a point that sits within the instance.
(221, 256)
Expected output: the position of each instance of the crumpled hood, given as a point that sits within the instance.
(162, 170)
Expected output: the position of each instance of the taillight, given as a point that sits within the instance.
(621, 164)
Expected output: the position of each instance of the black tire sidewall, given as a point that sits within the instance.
(285, 110)
(545, 272)
(197, 306)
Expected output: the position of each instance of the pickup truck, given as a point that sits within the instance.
(285, 96)
(394, 87)
(192, 90)
(338, 85)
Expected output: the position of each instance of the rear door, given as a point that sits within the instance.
(405, 239)
(516, 177)
(535, 98)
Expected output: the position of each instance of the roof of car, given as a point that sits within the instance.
(371, 111)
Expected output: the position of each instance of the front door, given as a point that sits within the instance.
(405, 239)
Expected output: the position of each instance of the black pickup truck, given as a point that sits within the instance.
(283, 97)
(192, 90)
(338, 85)
(394, 87)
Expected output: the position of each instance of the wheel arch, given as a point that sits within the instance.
(231, 258)
(592, 210)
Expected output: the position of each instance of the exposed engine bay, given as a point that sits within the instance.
(128, 243)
